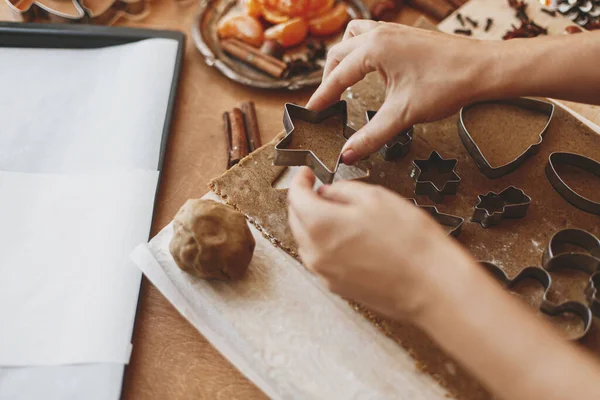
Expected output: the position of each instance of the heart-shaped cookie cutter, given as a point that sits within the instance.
(482, 163)
(294, 157)
(561, 187)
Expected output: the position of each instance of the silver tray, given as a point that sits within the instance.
(204, 33)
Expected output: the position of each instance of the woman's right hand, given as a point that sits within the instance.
(428, 76)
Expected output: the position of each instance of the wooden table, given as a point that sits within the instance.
(170, 359)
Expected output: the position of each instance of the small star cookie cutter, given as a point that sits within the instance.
(435, 166)
(294, 157)
(540, 275)
(561, 187)
(492, 208)
(474, 150)
(399, 146)
(455, 223)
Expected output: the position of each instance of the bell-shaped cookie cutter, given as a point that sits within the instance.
(294, 157)
(474, 150)
(561, 187)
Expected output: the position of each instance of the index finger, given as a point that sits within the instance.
(358, 27)
(307, 203)
(353, 68)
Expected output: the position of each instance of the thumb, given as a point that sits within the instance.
(387, 123)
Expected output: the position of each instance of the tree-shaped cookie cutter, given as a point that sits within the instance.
(561, 187)
(482, 163)
(546, 306)
(441, 166)
(295, 157)
(492, 208)
(455, 223)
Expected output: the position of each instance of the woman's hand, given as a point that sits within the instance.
(371, 245)
(428, 76)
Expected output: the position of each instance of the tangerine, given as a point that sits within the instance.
(252, 8)
(330, 22)
(289, 33)
(242, 27)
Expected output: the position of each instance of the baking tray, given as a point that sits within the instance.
(62, 36)
(204, 33)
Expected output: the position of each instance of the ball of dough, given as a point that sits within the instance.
(211, 240)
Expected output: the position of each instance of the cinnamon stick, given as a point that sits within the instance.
(227, 131)
(239, 142)
(254, 57)
(437, 8)
(457, 3)
(254, 141)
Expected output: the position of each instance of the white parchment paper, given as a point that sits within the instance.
(285, 331)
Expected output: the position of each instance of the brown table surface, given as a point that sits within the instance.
(170, 359)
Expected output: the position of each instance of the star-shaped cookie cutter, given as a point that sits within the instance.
(474, 150)
(435, 165)
(540, 275)
(294, 157)
(455, 223)
(494, 207)
(399, 146)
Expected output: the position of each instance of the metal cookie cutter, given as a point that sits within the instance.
(592, 293)
(292, 157)
(586, 262)
(474, 150)
(546, 306)
(454, 222)
(425, 171)
(493, 208)
(563, 189)
(105, 12)
(399, 146)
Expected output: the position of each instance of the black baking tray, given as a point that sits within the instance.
(66, 36)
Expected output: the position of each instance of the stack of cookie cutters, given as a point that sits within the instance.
(555, 258)
(295, 157)
(579, 161)
(103, 12)
(482, 163)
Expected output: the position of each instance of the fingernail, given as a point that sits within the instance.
(321, 189)
(349, 157)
